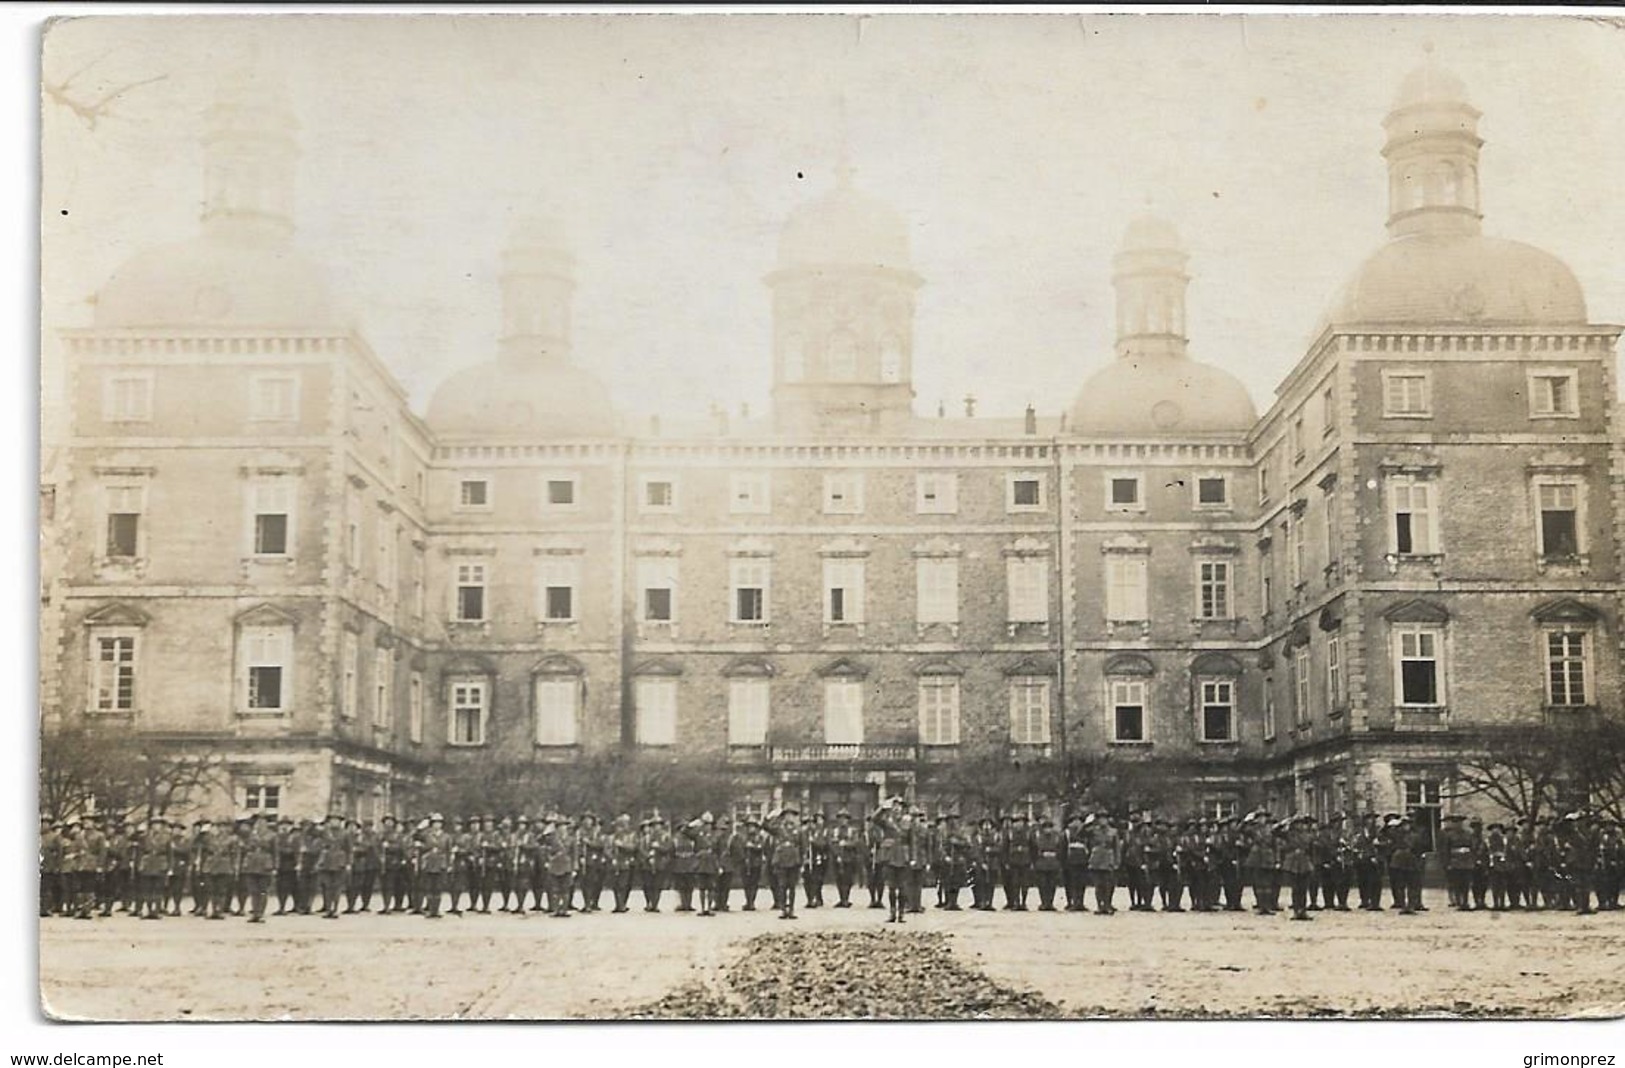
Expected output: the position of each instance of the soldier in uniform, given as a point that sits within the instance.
(51, 895)
(728, 844)
(127, 889)
(436, 858)
(956, 862)
(816, 870)
(219, 865)
(1298, 861)
(333, 866)
(1018, 863)
(590, 841)
(1048, 853)
(1135, 863)
(152, 869)
(874, 865)
(985, 845)
(1480, 882)
(1198, 866)
(1332, 857)
(789, 856)
(622, 858)
(395, 860)
(902, 850)
(706, 863)
(1499, 859)
(1227, 862)
(310, 852)
(1457, 846)
(257, 865)
(1579, 861)
(683, 865)
(1075, 862)
(1610, 867)
(658, 855)
(1264, 861)
(287, 866)
(366, 858)
(1405, 860)
(1105, 857)
(73, 870)
(562, 856)
(755, 846)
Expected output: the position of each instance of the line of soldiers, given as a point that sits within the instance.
(563, 865)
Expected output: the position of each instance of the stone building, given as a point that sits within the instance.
(262, 549)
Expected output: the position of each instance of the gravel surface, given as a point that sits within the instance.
(497, 967)
(848, 975)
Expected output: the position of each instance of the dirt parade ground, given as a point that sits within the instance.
(832, 963)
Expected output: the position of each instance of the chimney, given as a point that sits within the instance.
(942, 410)
(1031, 422)
(970, 406)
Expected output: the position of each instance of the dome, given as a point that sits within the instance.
(1442, 279)
(1161, 395)
(1428, 84)
(847, 228)
(1148, 233)
(524, 397)
(220, 279)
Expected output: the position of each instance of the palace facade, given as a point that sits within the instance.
(255, 545)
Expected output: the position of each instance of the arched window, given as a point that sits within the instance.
(841, 357)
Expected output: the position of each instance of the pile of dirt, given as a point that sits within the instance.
(847, 975)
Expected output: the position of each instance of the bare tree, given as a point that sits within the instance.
(84, 771)
(1529, 771)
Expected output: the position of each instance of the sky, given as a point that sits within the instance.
(672, 148)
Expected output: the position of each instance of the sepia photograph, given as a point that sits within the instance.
(916, 517)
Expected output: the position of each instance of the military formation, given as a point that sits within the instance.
(559, 865)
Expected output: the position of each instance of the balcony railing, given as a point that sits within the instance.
(842, 754)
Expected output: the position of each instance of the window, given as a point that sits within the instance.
(748, 493)
(124, 507)
(419, 486)
(414, 707)
(1334, 672)
(352, 533)
(657, 581)
(1294, 436)
(1418, 678)
(939, 711)
(1269, 708)
(843, 493)
(841, 357)
(558, 580)
(419, 584)
(1295, 555)
(657, 711)
(473, 494)
(1553, 394)
(1029, 710)
(1213, 589)
(843, 591)
(558, 700)
(112, 671)
(1218, 809)
(748, 711)
(936, 581)
(272, 509)
(1218, 710)
(274, 398)
(1559, 532)
(262, 799)
(1329, 527)
(936, 493)
(659, 494)
(127, 398)
(1123, 493)
(1405, 394)
(1128, 710)
(470, 604)
(1424, 798)
(1264, 489)
(470, 700)
(383, 678)
(1328, 411)
(748, 582)
(1566, 667)
(1414, 527)
(1027, 589)
(1125, 589)
(559, 491)
(388, 533)
(843, 712)
(351, 668)
(1212, 491)
(265, 668)
(1300, 685)
(1024, 493)
(1266, 580)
